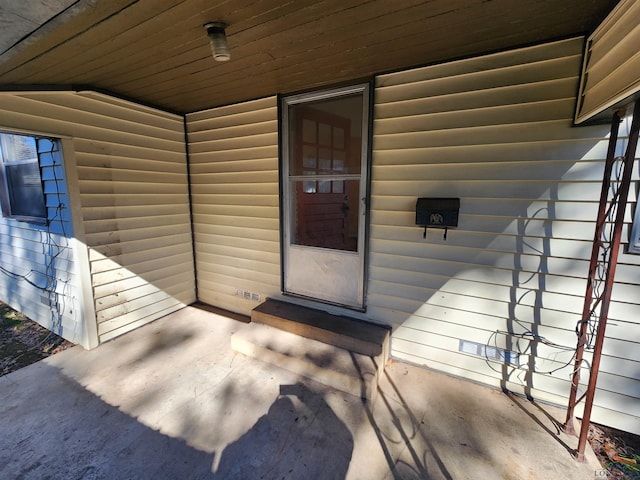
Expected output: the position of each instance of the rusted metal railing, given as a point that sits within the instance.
(602, 268)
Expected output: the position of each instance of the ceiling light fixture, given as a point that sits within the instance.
(218, 41)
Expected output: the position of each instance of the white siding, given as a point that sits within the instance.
(497, 132)
(133, 196)
(611, 71)
(233, 155)
(38, 275)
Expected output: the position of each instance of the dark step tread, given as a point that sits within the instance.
(356, 335)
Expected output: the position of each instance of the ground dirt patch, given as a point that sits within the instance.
(23, 341)
(617, 451)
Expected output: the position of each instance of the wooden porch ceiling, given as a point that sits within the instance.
(157, 52)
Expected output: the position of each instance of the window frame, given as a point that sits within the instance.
(6, 186)
(634, 235)
(633, 247)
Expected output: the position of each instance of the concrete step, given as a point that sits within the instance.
(348, 333)
(341, 352)
(344, 370)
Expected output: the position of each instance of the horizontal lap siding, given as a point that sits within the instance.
(496, 131)
(38, 275)
(133, 189)
(233, 155)
(612, 62)
(133, 192)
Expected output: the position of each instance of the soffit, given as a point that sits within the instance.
(20, 18)
(158, 53)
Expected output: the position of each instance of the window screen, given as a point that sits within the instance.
(22, 193)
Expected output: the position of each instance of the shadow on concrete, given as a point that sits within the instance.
(421, 464)
(161, 342)
(557, 425)
(299, 437)
(69, 432)
(59, 429)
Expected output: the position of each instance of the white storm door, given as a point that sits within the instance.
(324, 190)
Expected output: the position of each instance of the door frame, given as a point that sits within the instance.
(366, 89)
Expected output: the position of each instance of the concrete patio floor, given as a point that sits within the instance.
(172, 400)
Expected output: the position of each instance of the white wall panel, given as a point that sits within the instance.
(610, 76)
(39, 274)
(132, 209)
(496, 131)
(233, 152)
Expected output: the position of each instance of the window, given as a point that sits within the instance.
(634, 235)
(21, 191)
(634, 241)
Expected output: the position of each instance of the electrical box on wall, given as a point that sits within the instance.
(437, 213)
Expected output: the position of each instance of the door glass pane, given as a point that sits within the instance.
(308, 131)
(326, 216)
(324, 186)
(330, 129)
(325, 141)
(338, 138)
(325, 161)
(324, 132)
(309, 158)
(310, 186)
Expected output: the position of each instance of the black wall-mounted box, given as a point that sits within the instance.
(437, 212)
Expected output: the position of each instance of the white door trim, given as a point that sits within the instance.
(304, 267)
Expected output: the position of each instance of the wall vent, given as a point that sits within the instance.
(247, 295)
(489, 352)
